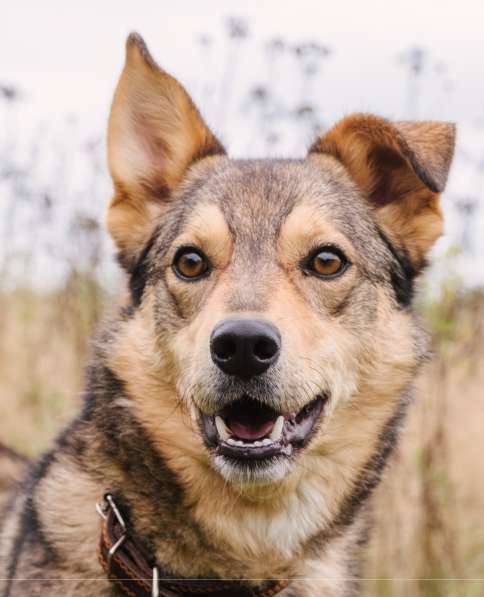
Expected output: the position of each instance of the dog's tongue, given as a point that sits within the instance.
(250, 431)
(248, 419)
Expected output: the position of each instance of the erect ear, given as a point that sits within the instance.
(400, 168)
(155, 134)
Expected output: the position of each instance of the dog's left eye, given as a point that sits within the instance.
(326, 262)
(190, 264)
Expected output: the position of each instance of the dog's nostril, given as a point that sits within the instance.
(265, 349)
(224, 347)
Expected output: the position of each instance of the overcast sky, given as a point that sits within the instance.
(65, 57)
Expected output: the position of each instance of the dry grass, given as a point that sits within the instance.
(44, 343)
(429, 510)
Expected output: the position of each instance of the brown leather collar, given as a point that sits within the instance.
(127, 562)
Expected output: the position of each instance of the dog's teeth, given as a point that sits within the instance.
(287, 450)
(231, 441)
(267, 442)
(222, 428)
(239, 443)
(276, 432)
(257, 444)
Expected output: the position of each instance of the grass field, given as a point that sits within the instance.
(428, 539)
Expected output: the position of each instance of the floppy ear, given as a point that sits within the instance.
(155, 134)
(400, 168)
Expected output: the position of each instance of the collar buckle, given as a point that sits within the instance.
(103, 511)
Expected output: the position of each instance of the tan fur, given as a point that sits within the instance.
(400, 167)
(155, 133)
(265, 527)
(369, 189)
(61, 527)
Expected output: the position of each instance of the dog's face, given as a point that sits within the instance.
(277, 291)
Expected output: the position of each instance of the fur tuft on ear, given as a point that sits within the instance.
(155, 133)
(400, 168)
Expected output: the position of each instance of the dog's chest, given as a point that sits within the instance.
(247, 541)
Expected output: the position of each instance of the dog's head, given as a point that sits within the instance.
(270, 299)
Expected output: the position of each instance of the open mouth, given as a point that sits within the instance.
(248, 430)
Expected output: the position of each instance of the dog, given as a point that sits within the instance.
(245, 395)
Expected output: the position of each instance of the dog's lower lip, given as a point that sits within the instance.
(264, 433)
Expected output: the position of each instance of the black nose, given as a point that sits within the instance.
(245, 347)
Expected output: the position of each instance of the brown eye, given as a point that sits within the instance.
(327, 263)
(190, 263)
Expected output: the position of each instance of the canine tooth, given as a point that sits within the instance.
(257, 444)
(276, 432)
(267, 442)
(222, 428)
(231, 441)
(239, 443)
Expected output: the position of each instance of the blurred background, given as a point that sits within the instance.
(268, 76)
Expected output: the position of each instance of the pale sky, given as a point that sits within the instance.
(66, 56)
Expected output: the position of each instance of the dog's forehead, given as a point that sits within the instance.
(257, 196)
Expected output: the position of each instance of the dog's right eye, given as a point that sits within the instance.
(190, 264)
